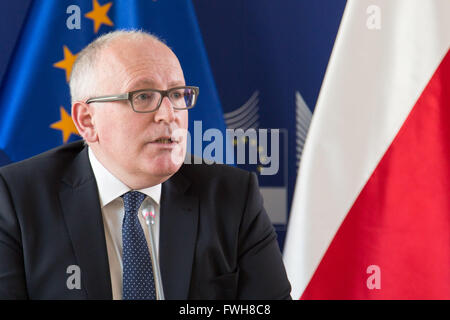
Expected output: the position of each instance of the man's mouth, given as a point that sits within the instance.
(165, 140)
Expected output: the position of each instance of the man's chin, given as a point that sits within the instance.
(163, 166)
(166, 156)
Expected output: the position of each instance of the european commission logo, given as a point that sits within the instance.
(266, 150)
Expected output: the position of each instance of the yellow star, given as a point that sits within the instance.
(66, 125)
(99, 15)
(67, 63)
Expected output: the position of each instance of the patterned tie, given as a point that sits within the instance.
(138, 282)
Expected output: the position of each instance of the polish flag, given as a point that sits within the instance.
(370, 217)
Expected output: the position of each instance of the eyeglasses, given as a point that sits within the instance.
(149, 100)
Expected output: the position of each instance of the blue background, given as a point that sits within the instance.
(273, 47)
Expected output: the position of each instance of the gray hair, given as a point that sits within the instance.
(82, 78)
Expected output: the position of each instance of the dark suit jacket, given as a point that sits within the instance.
(216, 241)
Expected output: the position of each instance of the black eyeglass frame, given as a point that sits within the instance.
(129, 96)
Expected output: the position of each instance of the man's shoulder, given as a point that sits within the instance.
(53, 160)
(201, 168)
(206, 175)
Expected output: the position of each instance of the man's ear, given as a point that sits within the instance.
(83, 118)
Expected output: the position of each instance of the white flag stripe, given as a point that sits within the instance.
(373, 79)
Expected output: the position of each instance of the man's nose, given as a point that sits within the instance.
(165, 112)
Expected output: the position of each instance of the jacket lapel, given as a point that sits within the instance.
(178, 231)
(178, 234)
(81, 208)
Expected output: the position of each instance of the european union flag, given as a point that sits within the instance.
(35, 99)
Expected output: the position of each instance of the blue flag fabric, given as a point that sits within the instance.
(35, 98)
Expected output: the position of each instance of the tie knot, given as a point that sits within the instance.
(132, 200)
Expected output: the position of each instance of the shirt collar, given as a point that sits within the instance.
(110, 187)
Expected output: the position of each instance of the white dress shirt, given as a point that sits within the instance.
(110, 190)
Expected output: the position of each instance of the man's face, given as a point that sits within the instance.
(133, 145)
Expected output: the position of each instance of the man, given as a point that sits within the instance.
(71, 224)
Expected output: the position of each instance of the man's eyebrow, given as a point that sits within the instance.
(142, 84)
(177, 83)
(150, 84)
